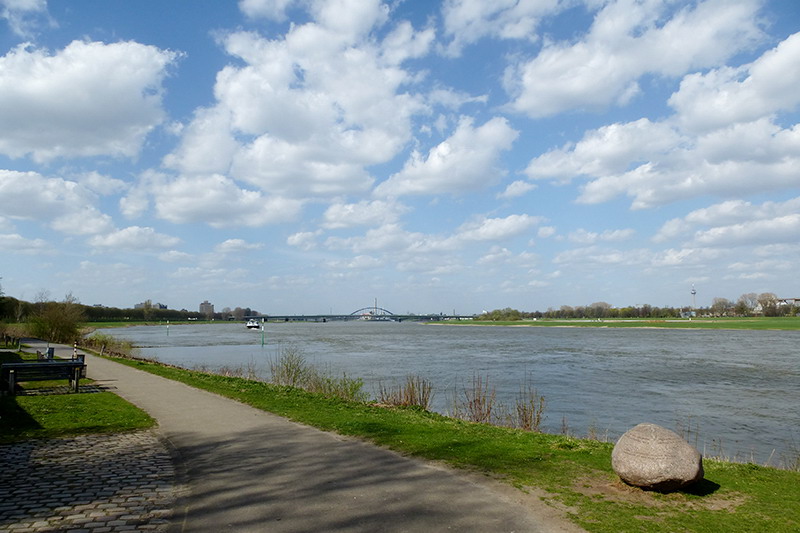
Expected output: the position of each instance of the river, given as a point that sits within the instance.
(730, 393)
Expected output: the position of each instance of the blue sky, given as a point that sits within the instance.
(309, 156)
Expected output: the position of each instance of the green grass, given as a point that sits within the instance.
(60, 415)
(765, 323)
(574, 473)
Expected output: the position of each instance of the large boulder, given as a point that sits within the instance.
(655, 458)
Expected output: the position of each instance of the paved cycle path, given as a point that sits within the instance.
(248, 470)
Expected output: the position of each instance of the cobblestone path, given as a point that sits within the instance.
(97, 483)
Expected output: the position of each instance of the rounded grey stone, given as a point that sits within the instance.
(655, 458)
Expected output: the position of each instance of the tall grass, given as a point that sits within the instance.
(290, 369)
(108, 345)
(529, 408)
(415, 392)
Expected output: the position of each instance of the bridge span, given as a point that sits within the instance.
(374, 313)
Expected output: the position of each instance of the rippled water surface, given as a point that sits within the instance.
(738, 392)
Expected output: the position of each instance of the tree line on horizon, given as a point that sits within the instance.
(747, 305)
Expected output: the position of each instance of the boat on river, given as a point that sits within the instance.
(253, 324)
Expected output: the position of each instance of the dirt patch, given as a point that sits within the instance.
(703, 497)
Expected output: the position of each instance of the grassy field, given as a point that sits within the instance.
(61, 415)
(765, 323)
(575, 474)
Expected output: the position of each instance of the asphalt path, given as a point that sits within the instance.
(248, 470)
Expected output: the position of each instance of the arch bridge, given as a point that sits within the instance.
(365, 313)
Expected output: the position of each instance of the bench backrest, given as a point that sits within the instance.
(41, 370)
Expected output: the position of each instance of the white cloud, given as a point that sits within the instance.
(583, 236)
(392, 238)
(596, 255)
(307, 113)
(233, 246)
(364, 213)
(467, 21)
(359, 262)
(174, 256)
(134, 239)
(467, 160)
(607, 150)
(15, 243)
(685, 256)
(546, 231)
(207, 144)
(65, 205)
(305, 240)
(659, 163)
(630, 38)
(389, 237)
(101, 184)
(726, 96)
(88, 99)
(722, 219)
(516, 189)
(404, 43)
(494, 229)
(219, 202)
(269, 9)
(774, 230)
(23, 16)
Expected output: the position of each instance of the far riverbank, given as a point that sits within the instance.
(751, 323)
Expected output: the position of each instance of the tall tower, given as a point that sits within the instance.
(694, 294)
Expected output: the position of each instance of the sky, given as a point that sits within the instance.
(314, 156)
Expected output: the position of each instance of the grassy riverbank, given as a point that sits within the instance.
(572, 474)
(752, 323)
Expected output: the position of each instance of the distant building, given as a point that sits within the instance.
(207, 308)
(150, 305)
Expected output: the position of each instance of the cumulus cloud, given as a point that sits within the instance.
(174, 256)
(516, 189)
(364, 213)
(88, 99)
(583, 236)
(736, 223)
(467, 160)
(233, 246)
(495, 229)
(65, 205)
(597, 255)
(24, 16)
(219, 202)
(134, 238)
(392, 238)
(16, 243)
(305, 114)
(627, 40)
(268, 9)
(467, 21)
(679, 157)
(726, 96)
(305, 240)
(607, 150)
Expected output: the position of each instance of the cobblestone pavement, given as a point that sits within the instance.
(91, 483)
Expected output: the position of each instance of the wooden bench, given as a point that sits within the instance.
(12, 373)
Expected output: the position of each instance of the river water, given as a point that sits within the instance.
(729, 393)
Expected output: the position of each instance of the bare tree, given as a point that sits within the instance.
(720, 306)
(769, 303)
(58, 321)
(746, 303)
